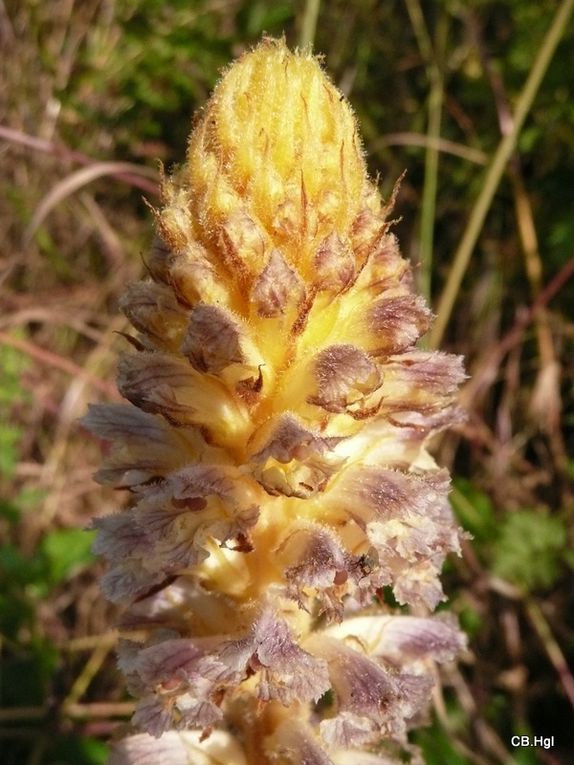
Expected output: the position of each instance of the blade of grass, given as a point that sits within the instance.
(309, 23)
(495, 171)
(50, 359)
(489, 364)
(99, 709)
(553, 650)
(90, 670)
(545, 404)
(442, 145)
(72, 183)
(147, 181)
(435, 103)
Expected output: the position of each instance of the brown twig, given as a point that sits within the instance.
(69, 185)
(545, 401)
(51, 359)
(490, 364)
(476, 156)
(553, 650)
(141, 177)
(74, 711)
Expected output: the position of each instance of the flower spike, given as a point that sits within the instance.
(275, 444)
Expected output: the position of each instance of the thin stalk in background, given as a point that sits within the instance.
(545, 404)
(443, 145)
(309, 23)
(496, 170)
(553, 650)
(435, 104)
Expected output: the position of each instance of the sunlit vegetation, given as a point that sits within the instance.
(92, 95)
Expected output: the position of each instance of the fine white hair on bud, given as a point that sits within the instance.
(275, 447)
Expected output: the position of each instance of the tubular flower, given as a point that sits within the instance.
(275, 444)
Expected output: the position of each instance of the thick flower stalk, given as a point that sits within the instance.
(275, 445)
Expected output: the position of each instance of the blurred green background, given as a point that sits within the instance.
(92, 94)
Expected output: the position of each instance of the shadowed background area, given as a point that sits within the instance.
(474, 100)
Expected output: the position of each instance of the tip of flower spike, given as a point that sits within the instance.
(274, 161)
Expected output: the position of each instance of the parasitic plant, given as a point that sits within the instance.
(275, 444)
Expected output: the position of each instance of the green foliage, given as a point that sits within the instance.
(29, 666)
(438, 747)
(525, 547)
(12, 366)
(526, 756)
(9, 511)
(470, 621)
(473, 509)
(64, 551)
(76, 750)
(529, 549)
(60, 554)
(162, 66)
(28, 672)
(261, 16)
(122, 80)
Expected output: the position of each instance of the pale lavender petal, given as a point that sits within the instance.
(348, 729)
(334, 264)
(212, 341)
(278, 288)
(287, 673)
(403, 638)
(129, 579)
(290, 459)
(344, 376)
(153, 309)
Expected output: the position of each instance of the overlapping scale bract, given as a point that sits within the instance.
(274, 440)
